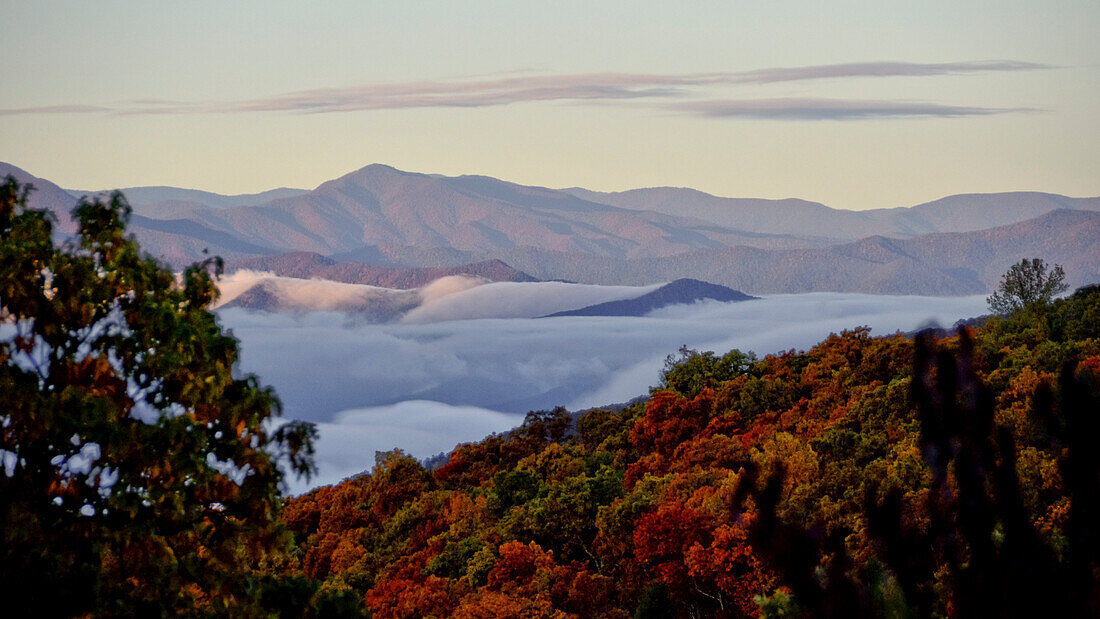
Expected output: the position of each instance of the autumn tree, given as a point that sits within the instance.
(140, 471)
(1027, 284)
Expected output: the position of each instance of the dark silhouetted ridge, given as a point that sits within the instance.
(673, 293)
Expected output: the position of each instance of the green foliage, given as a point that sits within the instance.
(779, 605)
(1076, 318)
(1027, 284)
(692, 371)
(140, 474)
(655, 603)
(295, 596)
(511, 488)
(451, 563)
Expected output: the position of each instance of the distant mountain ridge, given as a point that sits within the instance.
(958, 213)
(387, 217)
(379, 204)
(681, 291)
(152, 196)
(956, 263)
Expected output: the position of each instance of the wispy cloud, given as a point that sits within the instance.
(882, 69)
(470, 94)
(55, 109)
(832, 109)
(584, 87)
(591, 86)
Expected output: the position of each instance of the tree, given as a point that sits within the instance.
(1027, 284)
(140, 471)
(692, 371)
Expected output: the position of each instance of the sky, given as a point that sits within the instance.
(853, 104)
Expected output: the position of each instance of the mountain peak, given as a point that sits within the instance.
(370, 174)
(381, 167)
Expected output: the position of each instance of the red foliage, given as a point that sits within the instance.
(662, 539)
(732, 568)
(1090, 365)
(580, 591)
(517, 565)
(498, 605)
(671, 419)
(400, 598)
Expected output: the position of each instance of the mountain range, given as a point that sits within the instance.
(389, 218)
(959, 213)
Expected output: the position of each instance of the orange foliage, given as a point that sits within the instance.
(401, 598)
(498, 605)
(662, 539)
(730, 564)
(670, 419)
(517, 566)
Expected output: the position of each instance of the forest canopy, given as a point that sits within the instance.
(941, 475)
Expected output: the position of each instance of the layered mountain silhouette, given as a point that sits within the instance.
(390, 218)
(960, 213)
(678, 292)
(934, 264)
(172, 202)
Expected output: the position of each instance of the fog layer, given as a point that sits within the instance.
(379, 386)
(455, 297)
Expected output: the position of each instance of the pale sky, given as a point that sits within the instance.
(853, 104)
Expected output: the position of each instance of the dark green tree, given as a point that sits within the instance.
(692, 371)
(1027, 284)
(140, 472)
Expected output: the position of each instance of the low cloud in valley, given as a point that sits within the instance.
(346, 374)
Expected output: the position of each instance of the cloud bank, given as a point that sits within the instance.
(320, 363)
(379, 386)
(421, 428)
(582, 87)
(517, 300)
(309, 294)
(455, 297)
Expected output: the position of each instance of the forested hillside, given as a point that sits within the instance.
(866, 476)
